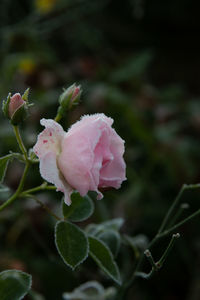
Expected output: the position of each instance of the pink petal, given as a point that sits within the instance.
(77, 161)
(87, 120)
(113, 171)
(49, 140)
(50, 172)
(16, 102)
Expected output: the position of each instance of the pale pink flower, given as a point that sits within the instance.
(86, 158)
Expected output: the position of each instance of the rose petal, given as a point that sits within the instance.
(77, 161)
(49, 140)
(113, 172)
(50, 172)
(76, 158)
(87, 120)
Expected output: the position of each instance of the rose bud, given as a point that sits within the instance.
(69, 98)
(88, 157)
(15, 107)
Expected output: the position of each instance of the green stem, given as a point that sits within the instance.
(44, 206)
(145, 275)
(58, 117)
(179, 212)
(20, 142)
(156, 266)
(174, 204)
(41, 187)
(170, 230)
(19, 189)
(171, 209)
(165, 254)
(160, 234)
(149, 256)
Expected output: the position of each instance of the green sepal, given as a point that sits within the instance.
(67, 100)
(5, 105)
(26, 94)
(20, 115)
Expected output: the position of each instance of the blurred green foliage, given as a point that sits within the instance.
(138, 62)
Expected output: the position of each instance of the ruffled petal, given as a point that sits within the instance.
(49, 140)
(50, 172)
(113, 172)
(77, 157)
(87, 120)
(48, 148)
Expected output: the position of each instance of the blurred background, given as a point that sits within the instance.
(137, 61)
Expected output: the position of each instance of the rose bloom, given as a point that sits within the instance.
(88, 157)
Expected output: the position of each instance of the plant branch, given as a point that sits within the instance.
(181, 209)
(149, 256)
(160, 234)
(165, 254)
(170, 230)
(43, 186)
(174, 204)
(20, 142)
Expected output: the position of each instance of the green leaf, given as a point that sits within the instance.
(112, 239)
(89, 291)
(139, 241)
(104, 258)
(114, 224)
(71, 243)
(3, 165)
(80, 209)
(14, 285)
(5, 193)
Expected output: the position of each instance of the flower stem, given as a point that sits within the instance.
(20, 142)
(19, 189)
(58, 117)
(41, 187)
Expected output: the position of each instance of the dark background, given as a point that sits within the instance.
(137, 61)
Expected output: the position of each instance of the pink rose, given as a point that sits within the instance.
(87, 158)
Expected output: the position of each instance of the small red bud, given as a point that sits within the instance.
(16, 102)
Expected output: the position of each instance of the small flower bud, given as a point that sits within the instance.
(15, 107)
(69, 98)
(16, 102)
